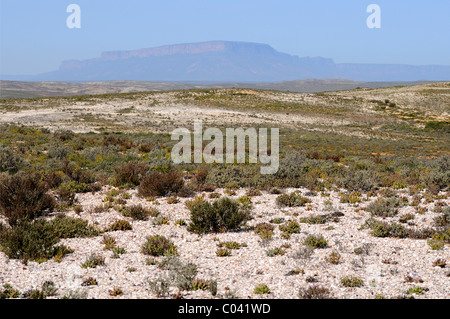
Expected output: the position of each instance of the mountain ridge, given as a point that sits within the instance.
(227, 61)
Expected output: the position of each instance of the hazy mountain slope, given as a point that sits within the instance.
(224, 61)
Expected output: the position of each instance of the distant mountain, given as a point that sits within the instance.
(225, 61)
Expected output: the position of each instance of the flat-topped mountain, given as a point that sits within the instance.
(227, 61)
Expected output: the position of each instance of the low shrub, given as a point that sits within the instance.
(223, 252)
(120, 225)
(261, 289)
(8, 292)
(384, 229)
(264, 230)
(31, 241)
(9, 162)
(313, 220)
(161, 184)
(351, 282)
(291, 227)
(277, 251)
(315, 241)
(180, 274)
(129, 174)
(357, 180)
(24, 197)
(385, 207)
(222, 215)
(69, 227)
(334, 258)
(93, 260)
(314, 292)
(158, 245)
(292, 200)
(137, 212)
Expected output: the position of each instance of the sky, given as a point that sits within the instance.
(34, 36)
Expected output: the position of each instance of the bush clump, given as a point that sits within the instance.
(358, 180)
(69, 227)
(291, 227)
(384, 229)
(161, 184)
(158, 245)
(314, 292)
(261, 289)
(385, 207)
(92, 261)
(264, 230)
(315, 241)
(129, 174)
(24, 197)
(138, 212)
(9, 292)
(120, 225)
(351, 282)
(9, 162)
(292, 200)
(222, 215)
(31, 241)
(36, 240)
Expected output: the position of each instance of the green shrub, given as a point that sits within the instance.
(291, 227)
(161, 184)
(118, 251)
(30, 241)
(352, 282)
(93, 260)
(137, 212)
(129, 174)
(9, 292)
(222, 215)
(68, 190)
(384, 229)
(158, 245)
(180, 274)
(9, 162)
(120, 225)
(416, 290)
(180, 222)
(68, 227)
(264, 230)
(231, 245)
(315, 241)
(313, 220)
(223, 252)
(261, 289)
(109, 242)
(443, 220)
(359, 180)
(277, 251)
(24, 197)
(351, 198)
(253, 192)
(385, 207)
(90, 281)
(292, 200)
(279, 220)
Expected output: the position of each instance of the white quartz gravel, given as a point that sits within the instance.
(238, 274)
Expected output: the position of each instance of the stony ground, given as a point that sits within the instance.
(387, 266)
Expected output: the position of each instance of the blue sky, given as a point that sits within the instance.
(34, 37)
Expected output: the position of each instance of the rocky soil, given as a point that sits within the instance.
(388, 267)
